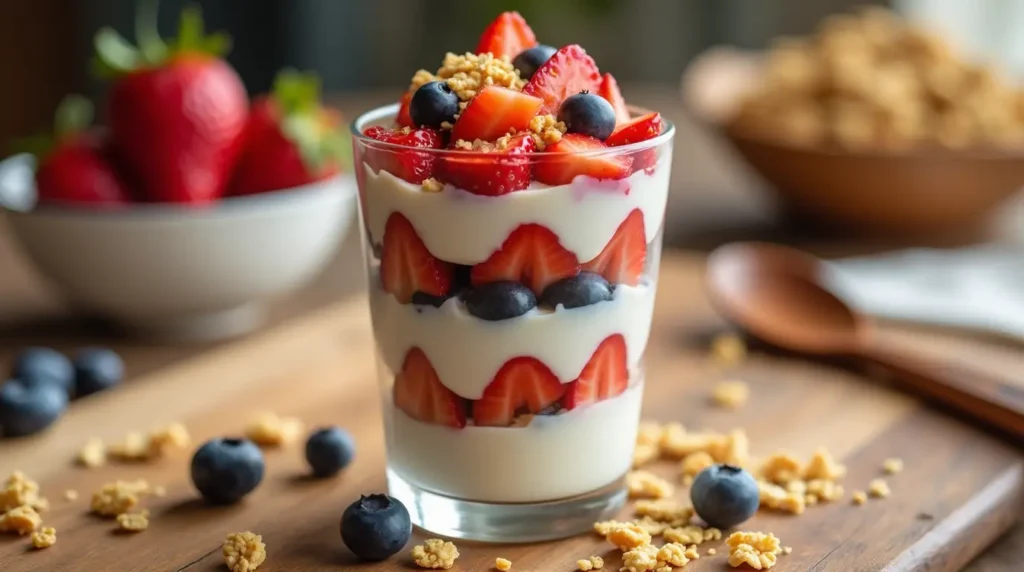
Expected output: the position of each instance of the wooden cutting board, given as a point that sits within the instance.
(961, 487)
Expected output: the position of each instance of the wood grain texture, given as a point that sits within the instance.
(320, 367)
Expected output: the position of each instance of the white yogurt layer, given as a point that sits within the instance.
(467, 352)
(464, 228)
(553, 457)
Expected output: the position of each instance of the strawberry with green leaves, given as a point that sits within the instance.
(291, 139)
(176, 110)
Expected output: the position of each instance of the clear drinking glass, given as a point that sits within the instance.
(520, 429)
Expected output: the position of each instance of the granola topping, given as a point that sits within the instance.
(627, 535)
(244, 551)
(271, 430)
(44, 538)
(133, 521)
(19, 490)
(755, 549)
(642, 484)
(20, 520)
(435, 553)
(468, 73)
(118, 497)
(546, 130)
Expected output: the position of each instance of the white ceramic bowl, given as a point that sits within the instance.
(178, 272)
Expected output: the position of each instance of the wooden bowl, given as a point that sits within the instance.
(916, 193)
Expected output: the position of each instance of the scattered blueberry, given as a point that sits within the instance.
(433, 104)
(584, 289)
(529, 61)
(329, 450)
(28, 407)
(97, 369)
(44, 364)
(588, 114)
(225, 470)
(375, 527)
(500, 300)
(424, 299)
(724, 496)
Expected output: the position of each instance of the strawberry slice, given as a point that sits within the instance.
(404, 118)
(407, 267)
(623, 258)
(568, 72)
(605, 376)
(610, 91)
(507, 35)
(531, 255)
(494, 173)
(405, 164)
(522, 385)
(578, 158)
(421, 395)
(494, 112)
(640, 129)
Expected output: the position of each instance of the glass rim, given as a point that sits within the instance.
(391, 110)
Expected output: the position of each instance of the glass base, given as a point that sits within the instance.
(506, 523)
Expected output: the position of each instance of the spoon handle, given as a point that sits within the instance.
(986, 398)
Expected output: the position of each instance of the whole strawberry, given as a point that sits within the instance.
(291, 139)
(176, 111)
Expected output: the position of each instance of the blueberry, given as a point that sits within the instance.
(225, 470)
(500, 300)
(433, 104)
(724, 496)
(529, 61)
(584, 289)
(588, 114)
(424, 299)
(29, 407)
(97, 369)
(375, 527)
(461, 277)
(329, 450)
(34, 365)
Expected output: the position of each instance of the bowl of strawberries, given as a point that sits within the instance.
(193, 206)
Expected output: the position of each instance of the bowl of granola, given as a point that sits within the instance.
(873, 125)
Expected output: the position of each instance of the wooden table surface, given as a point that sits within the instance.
(214, 388)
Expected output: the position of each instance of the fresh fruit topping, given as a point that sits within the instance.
(587, 114)
(494, 112)
(584, 289)
(531, 255)
(406, 266)
(27, 408)
(432, 104)
(724, 496)
(406, 164)
(421, 395)
(176, 111)
(640, 129)
(605, 376)
(522, 385)
(97, 369)
(329, 450)
(376, 527)
(622, 260)
(291, 139)
(502, 169)
(224, 470)
(507, 35)
(404, 117)
(576, 155)
(496, 301)
(610, 91)
(566, 73)
(529, 61)
(44, 365)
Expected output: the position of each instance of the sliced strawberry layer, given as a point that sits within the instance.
(580, 155)
(568, 72)
(610, 91)
(605, 376)
(407, 164)
(421, 395)
(623, 258)
(522, 385)
(404, 118)
(532, 255)
(491, 173)
(507, 35)
(494, 112)
(634, 131)
(407, 267)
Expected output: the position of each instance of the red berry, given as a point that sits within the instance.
(623, 259)
(491, 173)
(407, 267)
(404, 118)
(494, 112)
(610, 90)
(568, 72)
(576, 155)
(605, 376)
(78, 171)
(634, 131)
(406, 164)
(522, 384)
(531, 255)
(421, 395)
(507, 35)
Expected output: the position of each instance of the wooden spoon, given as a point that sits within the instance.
(776, 294)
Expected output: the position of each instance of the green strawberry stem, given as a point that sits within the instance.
(297, 96)
(74, 115)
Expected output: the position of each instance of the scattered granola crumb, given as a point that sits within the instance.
(687, 480)
(664, 510)
(649, 433)
(546, 130)
(728, 350)
(878, 488)
(712, 551)
(432, 185)
(781, 467)
(134, 447)
(244, 551)
(777, 498)
(694, 463)
(627, 535)
(859, 497)
(651, 526)
(643, 558)
(597, 562)
(593, 563)
(435, 553)
(19, 490)
(892, 466)
(755, 549)
(691, 552)
(823, 466)
(118, 497)
(691, 534)
(93, 454)
(159, 491)
(644, 453)
(502, 564)
(731, 394)
(673, 554)
(44, 538)
(133, 521)
(605, 526)
(643, 484)
(70, 495)
(467, 74)
(20, 520)
(139, 447)
(174, 436)
(825, 490)
(787, 550)
(271, 430)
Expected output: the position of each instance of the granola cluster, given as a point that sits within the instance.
(136, 446)
(435, 553)
(592, 563)
(482, 146)
(44, 538)
(731, 394)
(118, 497)
(788, 485)
(468, 73)
(755, 549)
(502, 564)
(546, 130)
(133, 521)
(271, 430)
(643, 484)
(728, 350)
(21, 505)
(20, 520)
(244, 551)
